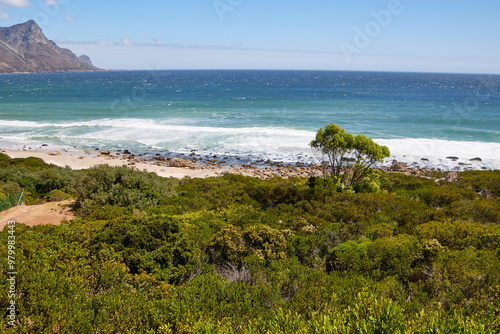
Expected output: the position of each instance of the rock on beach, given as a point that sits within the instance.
(398, 166)
(178, 162)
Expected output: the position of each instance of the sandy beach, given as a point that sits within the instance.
(80, 160)
(198, 167)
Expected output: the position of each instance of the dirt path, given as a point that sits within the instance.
(49, 213)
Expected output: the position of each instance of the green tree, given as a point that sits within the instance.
(342, 149)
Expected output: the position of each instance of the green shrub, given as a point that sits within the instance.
(37, 178)
(486, 183)
(379, 231)
(261, 241)
(350, 256)
(227, 245)
(56, 178)
(4, 160)
(201, 225)
(389, 256)
(486, 211)
(442, 196)
(458, 234)
(213, 193)
(121, 186)
(243, 215)
(30, 162)
(10, 187)
(410, 183)
(264, 242)
(108, 212)
(155, 245)
(430, 250)
(57, 196)
(276, 192)
(466, 280)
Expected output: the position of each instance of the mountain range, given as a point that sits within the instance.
(24, 48)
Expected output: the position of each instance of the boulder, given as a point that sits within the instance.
(426, 171)
(476, 159)
(178, 162)
(452, 158)
(398, 166)
(451, 177)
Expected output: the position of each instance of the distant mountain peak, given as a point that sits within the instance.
(24, 48)
(31, 24)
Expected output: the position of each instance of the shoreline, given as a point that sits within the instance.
(194, 165)
(175, 165)
(84, 160)
(437, 157)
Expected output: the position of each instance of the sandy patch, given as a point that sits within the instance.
(82, 161)
(49, 213)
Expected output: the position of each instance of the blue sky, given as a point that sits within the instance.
(389, 35)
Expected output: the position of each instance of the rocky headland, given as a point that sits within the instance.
(25, 49)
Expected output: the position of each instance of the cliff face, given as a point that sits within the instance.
(24, 48)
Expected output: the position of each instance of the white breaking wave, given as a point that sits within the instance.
(276, 143)
(146, 124)
(411, 150)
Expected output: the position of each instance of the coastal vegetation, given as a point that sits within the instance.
(350, 158)
(234, 254)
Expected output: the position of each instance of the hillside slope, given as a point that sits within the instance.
(24, 48)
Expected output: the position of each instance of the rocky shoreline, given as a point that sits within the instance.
(263, 169)
(205, 164)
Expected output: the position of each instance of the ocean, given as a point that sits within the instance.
(422, 118)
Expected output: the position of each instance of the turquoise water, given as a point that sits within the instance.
(268, 114)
